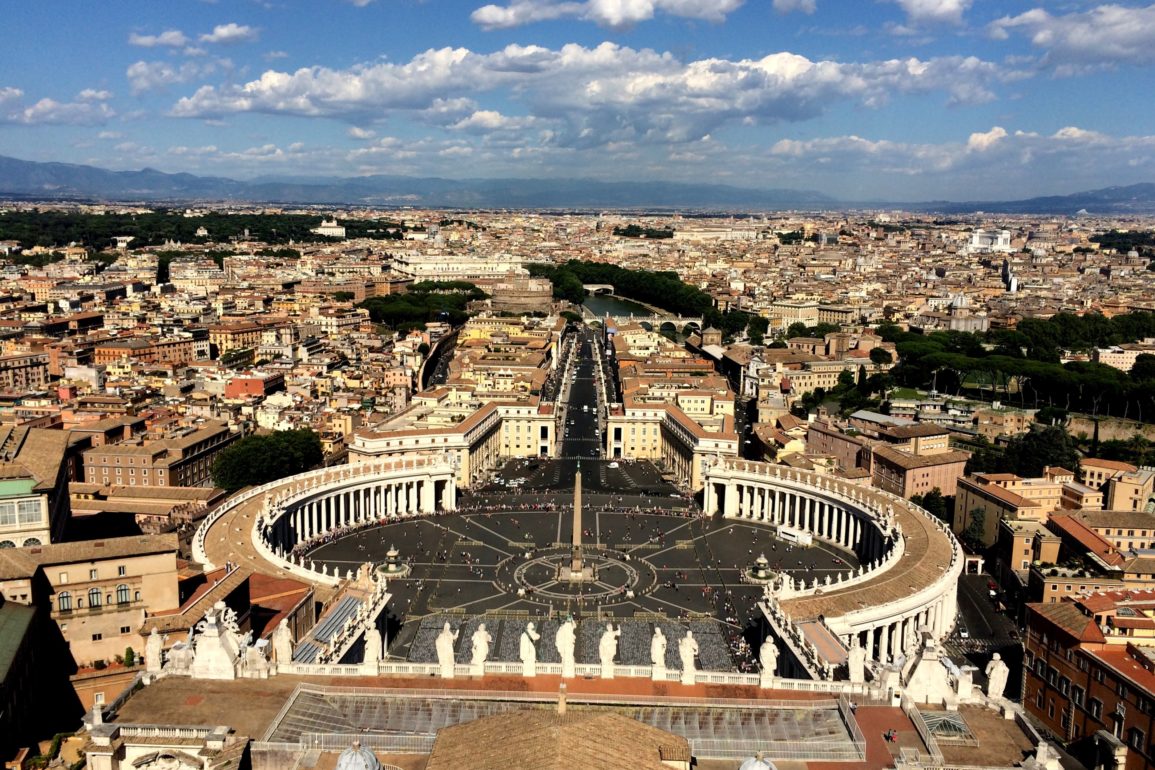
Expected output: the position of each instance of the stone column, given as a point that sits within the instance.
(428, 503)
(730, 500)
(884, 643)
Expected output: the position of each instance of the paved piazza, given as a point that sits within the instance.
(650, 567)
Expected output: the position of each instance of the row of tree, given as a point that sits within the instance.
(1014, 367)
(96, 231)
(424, 302)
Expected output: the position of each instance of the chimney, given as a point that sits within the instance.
(561, 700)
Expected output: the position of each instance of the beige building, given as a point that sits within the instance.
(480, 435)
(98, 591)
(1007, 497)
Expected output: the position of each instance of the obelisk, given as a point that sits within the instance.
(576, 571)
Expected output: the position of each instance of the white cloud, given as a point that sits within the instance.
(93, 95)
(230, 33)
(615, 14)
(170, 38)
(144, 76)
(51, 112)
(934, 11)
(790, 6)
(360, 3)
(983, 141)
(1104, 35)
(273, 55)
(109, 135)
(1001, 163)
(361, 133)
(595, 96)
(84, 112)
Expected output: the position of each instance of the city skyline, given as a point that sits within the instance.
(896, 99)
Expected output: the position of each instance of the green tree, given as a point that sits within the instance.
(259, 459)
(975, 532)
(343, 296)
(881, 357)
(129, 657)
(934, 502)
(1029, 453)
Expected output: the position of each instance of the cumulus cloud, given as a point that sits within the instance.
(144, 76)
(170, 38)
(1026, 163)
(595, 96)
(93, 95)
(361, 133)
(1104, 35)
(51, 112)
(790, 6)
(230, 33)
(983, 141)
(921, 12)
(616, 14)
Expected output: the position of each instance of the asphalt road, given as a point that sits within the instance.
(982, 631)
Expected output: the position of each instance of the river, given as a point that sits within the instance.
(600, 304)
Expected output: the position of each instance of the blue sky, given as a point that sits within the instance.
(859, 99)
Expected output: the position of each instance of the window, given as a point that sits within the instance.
(122, 594)
(64, 601)
(92, 574)
(1095, 707)
(121, 571)
(1064, 685)
(97, 637)
(1135, 738)
(125, 629)
(94, 597)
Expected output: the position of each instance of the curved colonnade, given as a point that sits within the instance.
(907, 584)
(309, 506)
(911, 561)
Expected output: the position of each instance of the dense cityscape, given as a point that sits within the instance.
(600, 384)
(350, 451)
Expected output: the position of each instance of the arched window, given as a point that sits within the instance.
(122, 594)
(94, 597)
(7, 544)
(31, 542)
(64, 601)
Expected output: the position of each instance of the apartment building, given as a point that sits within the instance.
(183, 459)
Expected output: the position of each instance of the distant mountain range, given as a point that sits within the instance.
(66, 181)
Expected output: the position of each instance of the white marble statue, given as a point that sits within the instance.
(444, 646)
(217, 647)
(283, 643)
(608, 648)
(768, 657)
(856, 663)
(479, 645)
(658, 648)
(687, 651)
(153, 652)
(997, 673)
(374, 646)
(566, 640)
(527, 652)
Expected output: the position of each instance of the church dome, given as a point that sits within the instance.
(357, 758)
(757, 762)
